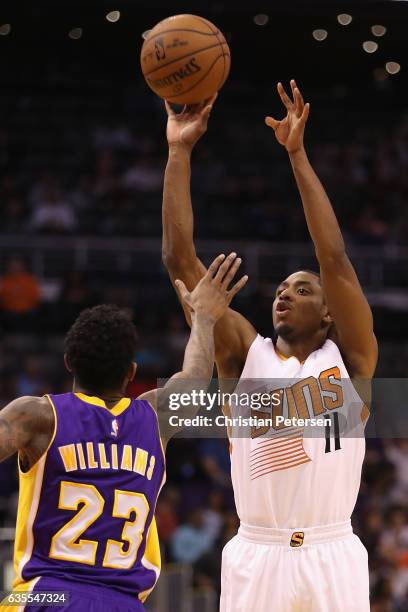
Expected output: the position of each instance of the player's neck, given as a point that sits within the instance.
(300, 348)
(111, 398)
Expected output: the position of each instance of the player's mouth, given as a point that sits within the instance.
(282, 308)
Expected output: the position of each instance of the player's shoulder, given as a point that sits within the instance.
(330, 345)
(36, 412)
(31, 404)
(147, 401)
(262, 343)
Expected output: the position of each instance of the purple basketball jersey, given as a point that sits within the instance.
(86, 508)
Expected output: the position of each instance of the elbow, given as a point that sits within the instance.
(168, 258)
(171, 260)
(203, 373)
(177, 262)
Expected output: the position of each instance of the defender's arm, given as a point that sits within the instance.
(206, 305)
(26, 426)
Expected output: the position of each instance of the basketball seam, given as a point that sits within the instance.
(209, 24)
(197, 82)
(179, 30)
(202, 19)
(222, 80)
(223, 60)
(180, 58)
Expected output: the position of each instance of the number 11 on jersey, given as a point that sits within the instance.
(332, 429)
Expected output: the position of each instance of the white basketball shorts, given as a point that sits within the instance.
(316, 569)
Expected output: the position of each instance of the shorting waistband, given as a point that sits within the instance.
(296, 537)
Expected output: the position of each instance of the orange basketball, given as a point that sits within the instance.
(185, 59)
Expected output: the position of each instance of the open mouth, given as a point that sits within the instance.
(281, 308)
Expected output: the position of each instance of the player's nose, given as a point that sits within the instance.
(286, 295)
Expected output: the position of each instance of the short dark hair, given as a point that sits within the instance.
(100, 347)
(312, 272)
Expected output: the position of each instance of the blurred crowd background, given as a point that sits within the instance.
(82, 156)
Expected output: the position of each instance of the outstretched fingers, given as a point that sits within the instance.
(170, 111)
(184, 293)
(205, 113)
(230, 275)
(224, 267)
(209, 101)
(207, 105)
(212, 268)
(237, 287)
(305, 114)
(298, 103)
(284, 97)
(272, 123)
(294, 86)
(298, 98)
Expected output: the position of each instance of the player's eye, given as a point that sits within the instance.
(302, 291)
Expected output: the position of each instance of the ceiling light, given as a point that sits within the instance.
(392, 67)
(344, 19)
(370, 46)
(320, 35)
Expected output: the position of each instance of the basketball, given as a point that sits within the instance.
(185, 59)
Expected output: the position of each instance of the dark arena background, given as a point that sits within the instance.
(82, 156)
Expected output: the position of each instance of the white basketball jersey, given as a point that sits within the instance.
(283, 477)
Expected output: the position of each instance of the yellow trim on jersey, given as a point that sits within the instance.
(152, 552)
(283, 357)
(23, 587)
(152, 558)
(161, 444)
(120, 407)
(30, 487)
(28, 500)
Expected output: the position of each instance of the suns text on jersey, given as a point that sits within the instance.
(91, 455)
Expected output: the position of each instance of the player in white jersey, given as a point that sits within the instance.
(295, 549)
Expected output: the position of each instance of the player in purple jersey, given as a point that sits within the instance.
(91, 462)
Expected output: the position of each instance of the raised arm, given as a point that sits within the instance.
(233, 333)
(206, 304)
(345, 298)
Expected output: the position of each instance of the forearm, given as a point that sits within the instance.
(199, 355)
(195, 377)
(321, 220)
(177, 208)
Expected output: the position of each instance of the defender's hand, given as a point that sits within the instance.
(290, 130)
(187, 127)
(211, 297)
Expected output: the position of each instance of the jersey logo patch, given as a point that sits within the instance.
(297, 539)
(281, 451)
(115, 428)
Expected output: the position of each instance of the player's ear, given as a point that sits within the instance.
(327, 320)
(67, 364)
(132, 371)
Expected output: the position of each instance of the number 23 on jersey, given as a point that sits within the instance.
(67, 544)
